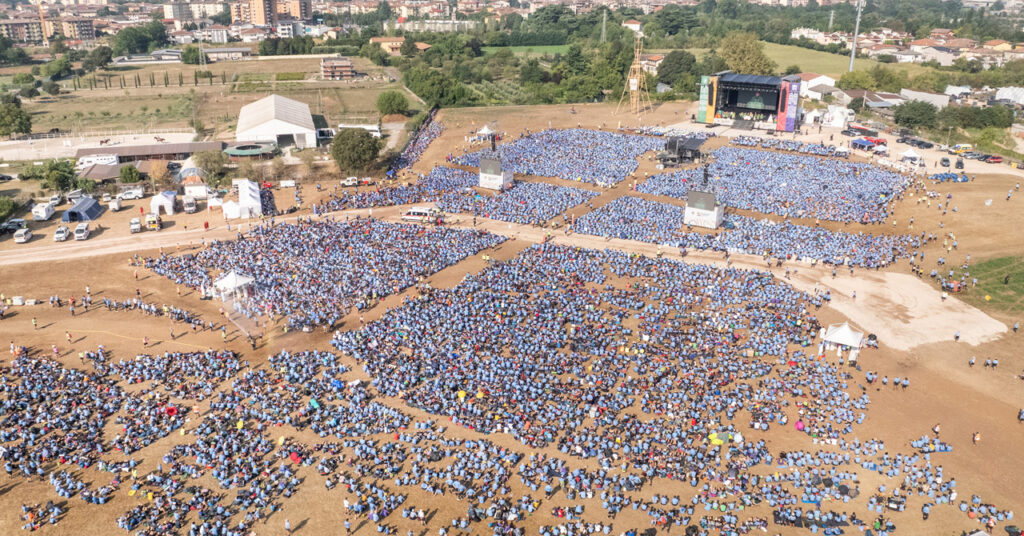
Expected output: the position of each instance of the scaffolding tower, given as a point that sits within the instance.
(636, 84)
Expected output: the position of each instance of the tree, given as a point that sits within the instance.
(54, 174)
(575, 59)
(51, 87)
(23, 78)
(57, 68)
(86, 185)
(675, 64)
(392, 102)
(159, 175)
(28, 92)
(913, 114)
(856, 104)
(744, 53)
(97, 58)
(792, 69)
(408, 48)
(130, 174)
(354, 149)
(212, 162)
(14, 120)
(857, 80)
(191, 55)
(277, 167)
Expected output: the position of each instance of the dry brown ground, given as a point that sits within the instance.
(914, 326)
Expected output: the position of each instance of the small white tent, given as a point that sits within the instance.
(909, 154)
(231, 210)
(843, 335)
(249, 199)
(162, 200)
(233, 282)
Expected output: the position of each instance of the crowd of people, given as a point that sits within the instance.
(316, 272)
(634, 218)
(790, 185)
(793, 146)
(528, 203)
(591, 156)
(441, 182)
(418, 143)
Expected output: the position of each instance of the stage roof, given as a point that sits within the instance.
(751, 79)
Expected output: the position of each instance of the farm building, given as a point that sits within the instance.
(279, 120)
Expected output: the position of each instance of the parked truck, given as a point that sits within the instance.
(189, 204)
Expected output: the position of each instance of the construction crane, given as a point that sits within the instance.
(42, 24)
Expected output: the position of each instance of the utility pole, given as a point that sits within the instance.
(856, 30)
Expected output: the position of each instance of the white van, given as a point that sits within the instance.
(189, 203)
(82, 231)
(422, 214)
(22, 236)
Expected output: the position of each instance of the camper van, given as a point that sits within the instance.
(74, 196)
(961, 148)
(153, 222)
(189, 203)
(423, 214)
(101, 159)
(42, 211)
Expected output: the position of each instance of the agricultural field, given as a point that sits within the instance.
(815, 61)
(170, 95)
(498, 93)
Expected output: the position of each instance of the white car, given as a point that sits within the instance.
(106, 198)
(56, 200)
(82, 231)
(135, 225)
(61, 234)
(22, 236)
(130, 194)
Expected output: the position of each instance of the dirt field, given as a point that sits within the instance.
(914, 326)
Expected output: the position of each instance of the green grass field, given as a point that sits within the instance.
(815, 61)
(991, 274)
(537, 50)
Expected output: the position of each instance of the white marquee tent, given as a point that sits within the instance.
(909, 154)
(276, 119)
(248, 204)
(163, 200)
(843, 335)
(233, 282)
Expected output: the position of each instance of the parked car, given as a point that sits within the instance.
(926, 144)
(61, 234)
(944, 161)
(22, 236)
(850, 132)
(82, 231)
(132, 193)
(12, 226)
(972, 155)
(173, 166)
(909, 141)
(994, 159)
(5, 178)
(959, 163)
(135, 225)
(56, 200)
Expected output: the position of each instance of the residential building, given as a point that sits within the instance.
(391, 45)
(288, 28)
(907, 56)
(960, 44)
(337, 68)
(263, 12)
(77, 28)
(813, 80)
(437, 25)
(177, 11)
(942, 55)
(998, 45)
(651, 62)
(22, 30)
(918, 45)
(205, 10)
(297, 9)
(633, 24)
(213, 34)
(239, 12)
(942, 34)
(182, 37)
(253, 35)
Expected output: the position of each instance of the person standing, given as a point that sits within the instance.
(287, 526)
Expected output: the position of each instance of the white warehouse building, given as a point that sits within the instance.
(276, 119)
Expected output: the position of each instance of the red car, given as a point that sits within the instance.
(876, 141)
(994, 159)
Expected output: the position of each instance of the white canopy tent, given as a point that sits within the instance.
(233, 282)
(163, 200)
(485, 131)
(843, 335)
(881, 149)
(910, 154)
(248, 204)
